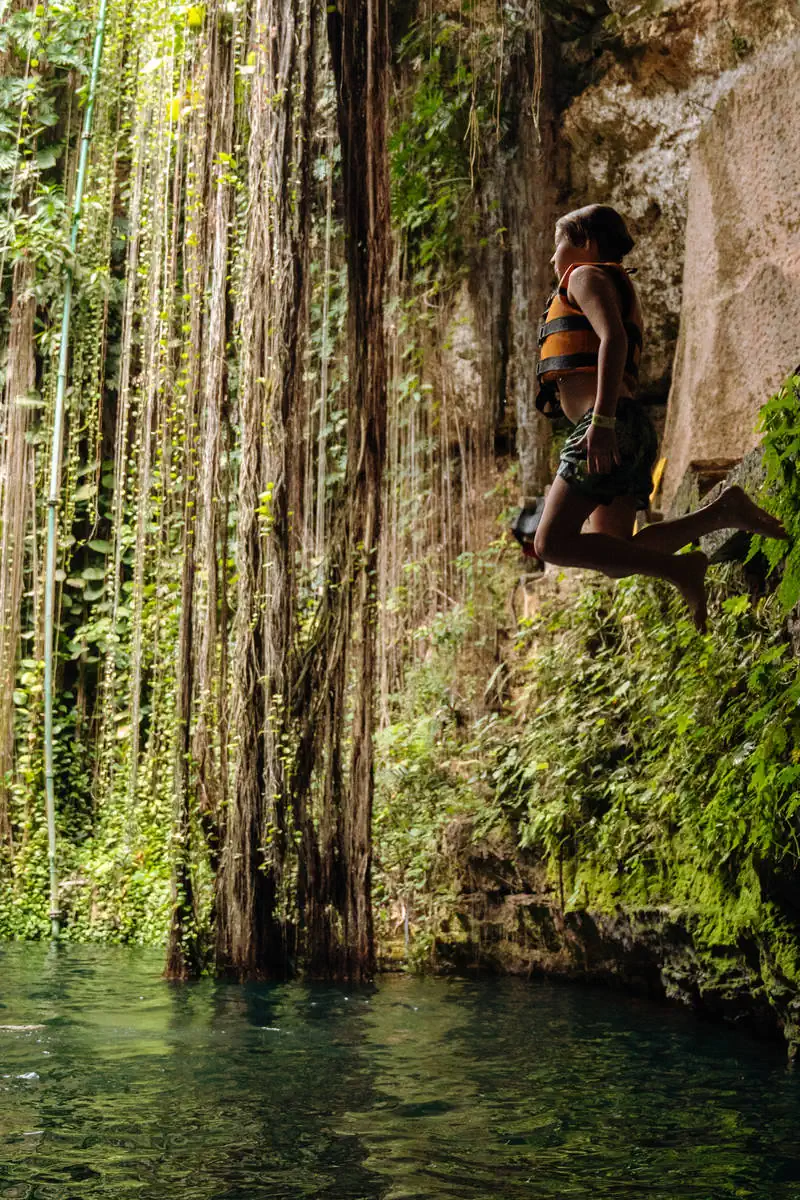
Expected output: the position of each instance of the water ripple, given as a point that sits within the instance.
(116, 1084)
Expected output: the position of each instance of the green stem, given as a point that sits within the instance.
(55, 473)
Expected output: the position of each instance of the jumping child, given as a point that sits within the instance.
(590, 345)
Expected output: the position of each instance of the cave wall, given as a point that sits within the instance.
(628, 136)
(507, 917)
(630, 98)
(679, 113)
(638, 95)
(740, 318)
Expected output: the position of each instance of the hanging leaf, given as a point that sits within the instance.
(48, 157)
(85, 492)
(100, 546)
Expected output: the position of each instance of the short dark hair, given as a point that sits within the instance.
(600, 223)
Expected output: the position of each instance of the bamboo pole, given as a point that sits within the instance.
(55, 472)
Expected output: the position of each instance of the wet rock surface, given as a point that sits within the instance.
(510, 919)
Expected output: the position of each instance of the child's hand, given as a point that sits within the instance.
(601, 450)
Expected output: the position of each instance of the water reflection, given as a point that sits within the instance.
(125, 1085)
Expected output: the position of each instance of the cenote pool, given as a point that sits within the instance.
(128, 1086)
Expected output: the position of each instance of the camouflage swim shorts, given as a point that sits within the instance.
(638, 448)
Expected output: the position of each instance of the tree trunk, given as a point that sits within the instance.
(338, 902)
(20, 380)
(252, 901)
(212, 700)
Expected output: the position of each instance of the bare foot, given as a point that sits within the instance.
(743, 513)
(690, 579)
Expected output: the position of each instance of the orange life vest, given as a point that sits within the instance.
(568, 345)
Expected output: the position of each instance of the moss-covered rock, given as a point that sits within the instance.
(649, 950)
(630, 814)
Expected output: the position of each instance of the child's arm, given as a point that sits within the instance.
(597, 296)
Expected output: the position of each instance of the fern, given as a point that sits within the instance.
(780, 423)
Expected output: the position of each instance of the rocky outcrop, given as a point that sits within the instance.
(509, 918)
(461, 357)
(664, 69)
(626, 89)
(637, 96)
(740, 318)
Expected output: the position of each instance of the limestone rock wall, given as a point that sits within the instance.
(629, 134)
(626, 99)
(740, 318)
(510, 919)
(636, 96)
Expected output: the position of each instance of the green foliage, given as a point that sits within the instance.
(649, 750)
(419, 791)
(438, 141)
(780, 424)
(418, 795)
(645, 764)
(429, 764)
(653, 766)
(43, 47)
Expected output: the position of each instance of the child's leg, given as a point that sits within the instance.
(560, 541)
(616, 518)
(733, 509)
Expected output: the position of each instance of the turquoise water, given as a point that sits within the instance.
(416, 1089)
